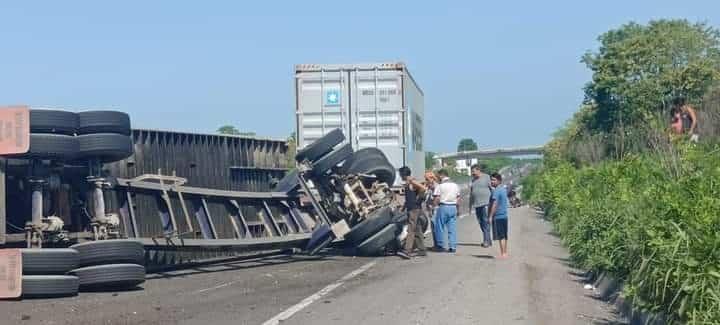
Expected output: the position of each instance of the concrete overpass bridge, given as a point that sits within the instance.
(465, 159)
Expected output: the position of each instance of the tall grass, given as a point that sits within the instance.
(651, 218)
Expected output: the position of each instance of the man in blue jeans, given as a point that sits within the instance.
(498, 213)
(479, 200)
(446, 197)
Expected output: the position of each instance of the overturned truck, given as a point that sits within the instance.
(351, 192)
(191, 198)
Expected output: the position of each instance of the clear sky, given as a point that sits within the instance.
(501, 72)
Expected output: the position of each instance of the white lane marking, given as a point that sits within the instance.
(215, 287)
(315, 297)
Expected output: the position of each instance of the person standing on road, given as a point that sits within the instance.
(479, 200)
(498, 213)
(429, 203)
(414, 194)
(446, 195)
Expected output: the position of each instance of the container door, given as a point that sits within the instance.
(322, 105)
(377, 112)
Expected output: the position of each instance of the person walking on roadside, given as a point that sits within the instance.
(414, 193)
(498, 213)
(446, 196)
(479, 200)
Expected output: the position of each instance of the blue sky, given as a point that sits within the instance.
(503, 73)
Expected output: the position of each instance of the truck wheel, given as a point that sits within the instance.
(110, 276)
(321, 147)
(47, 261)
(103, 122)
(377, 220)
(15, 166)
(116, 251)
(375, 244)
(53, 121)
(48, 286)
(399, 218)
(108, 147)
(50, 146)
(287, 183)
(331, 160)
(363, 153)
(373, 165)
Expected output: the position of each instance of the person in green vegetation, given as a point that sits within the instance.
(684, 119)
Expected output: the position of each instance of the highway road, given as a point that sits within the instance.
(535, 286)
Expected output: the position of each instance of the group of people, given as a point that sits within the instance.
(437, 199)
(489, 200)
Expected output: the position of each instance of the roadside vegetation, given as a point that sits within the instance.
(626, 197)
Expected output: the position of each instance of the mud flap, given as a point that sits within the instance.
(11, 277)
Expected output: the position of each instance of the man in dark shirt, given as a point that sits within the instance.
(414, 192)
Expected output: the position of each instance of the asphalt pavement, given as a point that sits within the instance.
(534, 286)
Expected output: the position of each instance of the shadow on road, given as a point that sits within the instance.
(604, 321)
(110, 289)
(490, 257)
(237, 265)
(470, 244)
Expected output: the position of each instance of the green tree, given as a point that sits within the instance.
(639, 69)
(493, 165)
(228, 129)
(231, 130)
(467, 144)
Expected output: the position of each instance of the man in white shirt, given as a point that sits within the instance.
(446, 195)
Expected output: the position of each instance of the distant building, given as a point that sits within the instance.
(463, 165)
(465, 159)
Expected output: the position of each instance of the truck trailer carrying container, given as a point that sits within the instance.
(375, 105)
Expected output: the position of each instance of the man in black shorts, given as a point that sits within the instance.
(498, 213)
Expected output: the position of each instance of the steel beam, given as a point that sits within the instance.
(129, 183)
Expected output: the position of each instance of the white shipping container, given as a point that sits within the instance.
(376, 105)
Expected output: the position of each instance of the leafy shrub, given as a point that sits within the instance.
(656, 229)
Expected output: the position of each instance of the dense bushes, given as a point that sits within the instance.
(655, 227)
(626, 197)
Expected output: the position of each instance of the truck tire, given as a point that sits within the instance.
(287, 183)
(331, 160)
(107, 147)
(377, 220)
(363, 153)
(48, 286)
(321, 147)
(373, 165)
(48, 261)
(376, 243)
(115, 251)
(103, 122)
(53, 121)
(15, 166)
(110, 276)
(399, 218)
(50, 146)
